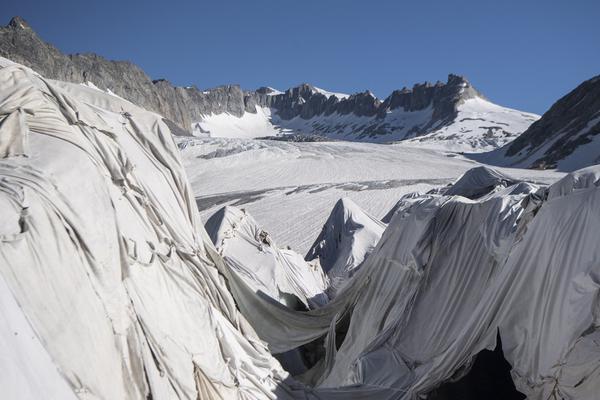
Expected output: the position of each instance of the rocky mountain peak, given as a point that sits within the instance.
(265, 90)
(457, 80)
(303, 90)
(463, 87)
(17, 22)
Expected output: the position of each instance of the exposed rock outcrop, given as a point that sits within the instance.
(571, 122)
(564, 138)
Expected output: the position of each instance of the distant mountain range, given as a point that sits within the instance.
(452, 115)
(425, 110)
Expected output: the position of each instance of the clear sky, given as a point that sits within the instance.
(522, 54)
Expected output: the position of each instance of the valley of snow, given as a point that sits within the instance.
(290, 188)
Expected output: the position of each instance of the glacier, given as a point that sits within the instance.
(111, 287)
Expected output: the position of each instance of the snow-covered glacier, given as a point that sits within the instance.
(111, 288)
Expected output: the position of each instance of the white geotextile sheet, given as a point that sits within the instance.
(107, 264)
(447, 275)
(478, 181)
(347, 238)
(251, 253)
(102, 249)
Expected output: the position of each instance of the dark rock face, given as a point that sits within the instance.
(443, 97)
(184, 106)
(303, 101)
(363, 104)
(306, 102)
(571, 122)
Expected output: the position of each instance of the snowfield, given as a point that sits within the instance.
(270, 178)
(480, 126)
(247, 126)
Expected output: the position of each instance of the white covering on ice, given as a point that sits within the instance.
(109, 287)
(252, 253)
(582, 179)
(447, 275)
(117, 293)
(479, 181)
(347, 238)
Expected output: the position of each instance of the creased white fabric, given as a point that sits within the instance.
(104, 252)
(115, 291)
(447, 275)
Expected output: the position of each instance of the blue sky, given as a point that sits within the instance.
(522, 54)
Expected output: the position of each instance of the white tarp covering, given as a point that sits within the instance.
(250, 252)
(111, 289)
(347, 238)
(450, 273)
(103, 256)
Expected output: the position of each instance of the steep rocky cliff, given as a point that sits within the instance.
(568, 126)
(566, 137)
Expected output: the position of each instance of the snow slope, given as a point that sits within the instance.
(480, 126)
(566, 138)
(248, 125)
(329, 94)
(583, 154)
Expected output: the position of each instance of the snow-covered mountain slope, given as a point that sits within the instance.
(249, 125)
(269, 178)
(109, 286)
(347, 238)
(567, 137)
(249, 251)
(479, 126)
